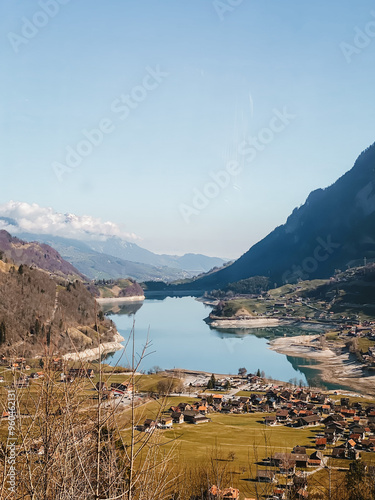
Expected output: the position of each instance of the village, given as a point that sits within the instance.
(344, 430)
(344, 427)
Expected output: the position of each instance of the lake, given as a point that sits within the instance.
(179, 338)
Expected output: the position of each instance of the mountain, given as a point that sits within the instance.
(42, 303)
(116, 258)
(333, 229)
(37, 255)
(191, 263)
(97, 265)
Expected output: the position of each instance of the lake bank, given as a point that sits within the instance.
(96, 352)
(120, 300)
(338, 365)
(264, 321)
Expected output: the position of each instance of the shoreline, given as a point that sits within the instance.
(245, 323)
(96, 352)
(120, 300)
(333, 367)
(264, 321)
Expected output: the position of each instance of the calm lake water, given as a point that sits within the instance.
(181, 339)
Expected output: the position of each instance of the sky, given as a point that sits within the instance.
(187, 126)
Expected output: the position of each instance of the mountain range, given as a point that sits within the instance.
(334, 229)
(115, 258)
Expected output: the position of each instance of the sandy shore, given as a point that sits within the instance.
(335, 367)
(120, 300)
(248, 323)
(96, 352)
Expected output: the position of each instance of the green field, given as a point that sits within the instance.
(237, 442)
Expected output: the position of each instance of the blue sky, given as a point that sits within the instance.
(204, 79)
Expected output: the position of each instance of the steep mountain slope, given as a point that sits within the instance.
(36, 254)
(333, 229)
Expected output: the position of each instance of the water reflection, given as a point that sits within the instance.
(129, 308)
(182, 339)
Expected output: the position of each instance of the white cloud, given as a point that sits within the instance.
(26, 218)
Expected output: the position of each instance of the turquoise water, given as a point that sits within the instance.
(179, 338)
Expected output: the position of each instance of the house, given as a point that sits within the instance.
(122, 387)
(316, 459)
(368, 444)
(184, 406)
(282, 415)
(325, 409)
(149, 424)
(217, 398)
(230, 493)
(194, 417)
(333, 418)
(308, 421)
(279, 493)
(266, 476)
(225, 494)
(288, 461)
(320, 443)
(299, 449)
(177, 417)
(270, 420)
(165, 423)
(339, 452)
(81, 372)
(21, 383)
(202, 409)
(244, 400)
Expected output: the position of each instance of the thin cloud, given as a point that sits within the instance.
(20, 217)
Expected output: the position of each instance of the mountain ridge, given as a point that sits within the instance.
(332, 229)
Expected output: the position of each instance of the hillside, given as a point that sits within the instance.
(118, 288)
(36, 254)
(42, 302)
(333, 229)
(35, 306)
(347, 294)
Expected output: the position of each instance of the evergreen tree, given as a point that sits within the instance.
(212, 382)
(49, 336)
(2, 332)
